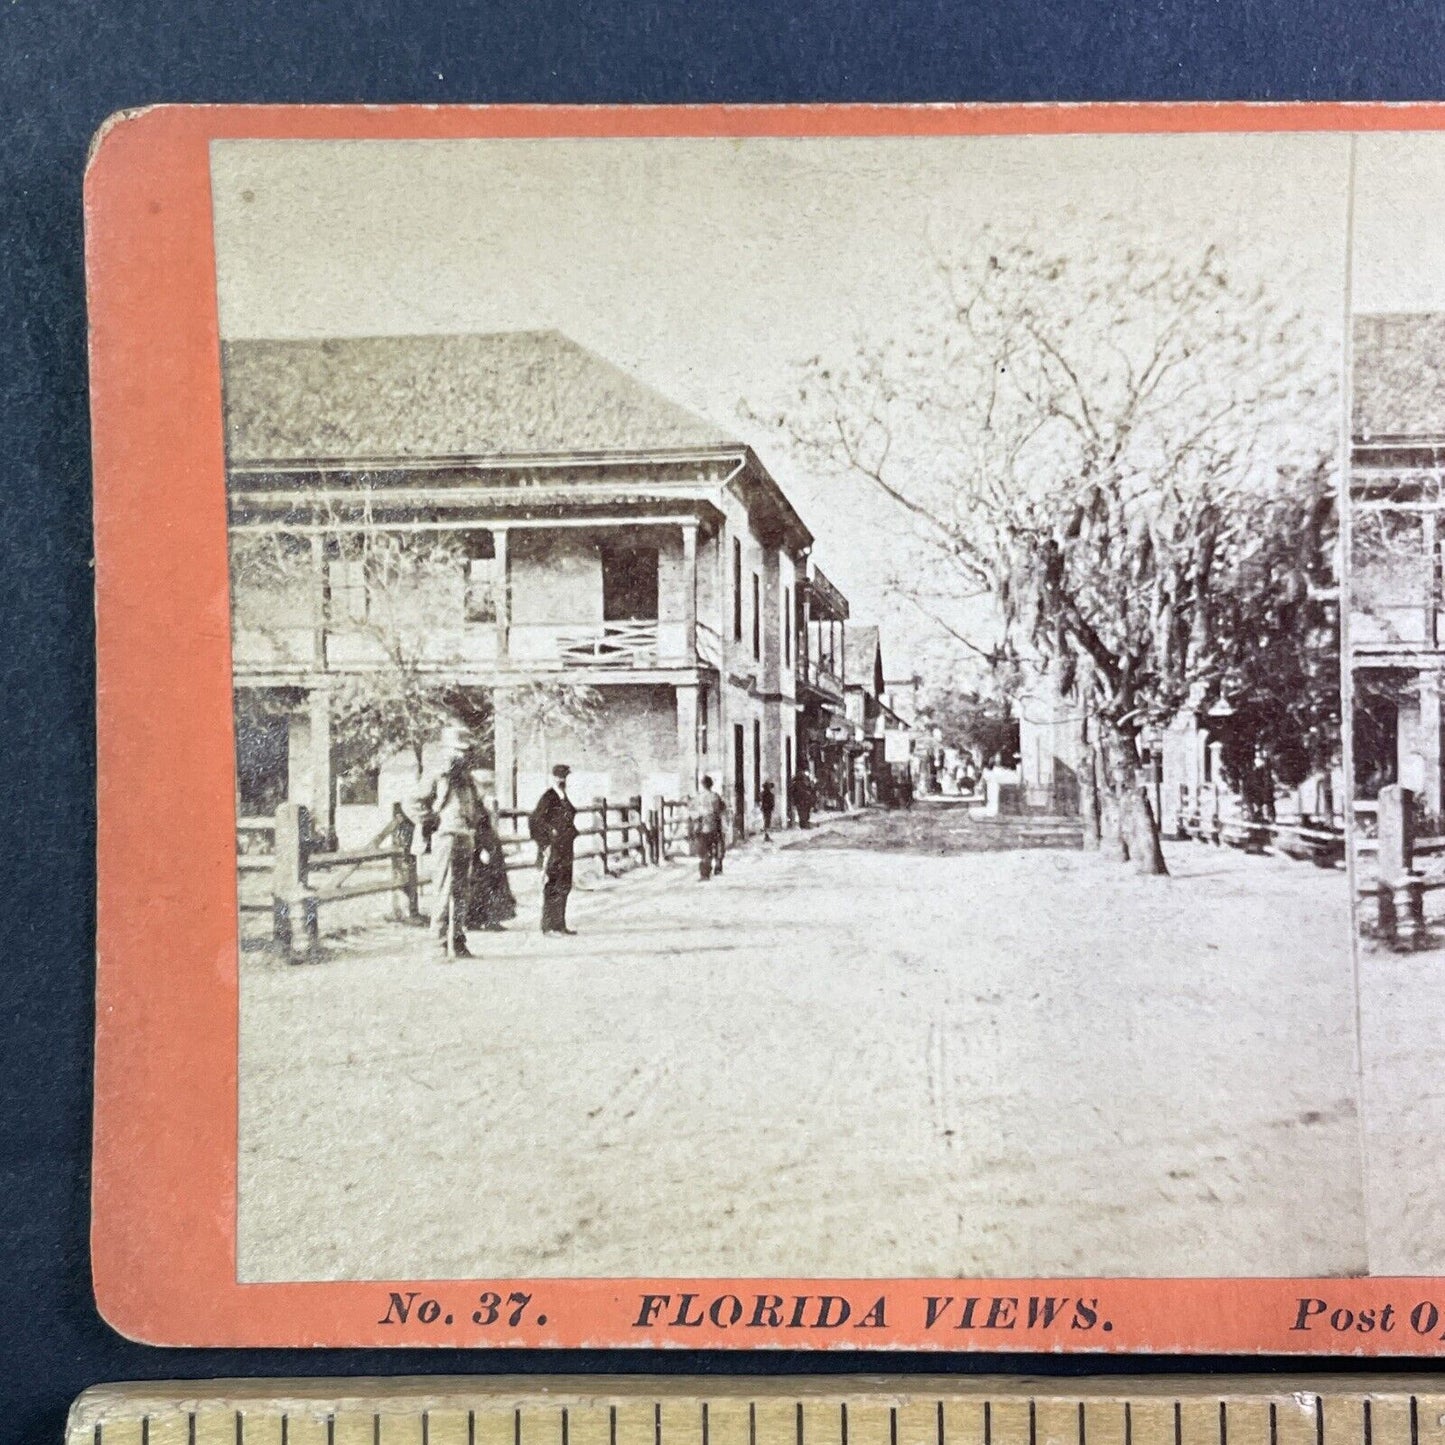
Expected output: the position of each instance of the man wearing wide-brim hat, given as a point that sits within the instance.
(453, 804)
(553, 826)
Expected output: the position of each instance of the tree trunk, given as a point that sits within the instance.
(1130, 830)
(1146, 849)
(1089, 797)
(1113, 835)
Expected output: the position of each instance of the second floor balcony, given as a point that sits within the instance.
(547, 647)
(558, 602)
(822, 676)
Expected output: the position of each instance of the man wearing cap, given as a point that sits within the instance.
(553, 826)
(451, 809)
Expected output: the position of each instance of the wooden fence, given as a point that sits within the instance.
(1202, 814)
(611, 833)
(1394, 897)
(305, 878)
(617, 836)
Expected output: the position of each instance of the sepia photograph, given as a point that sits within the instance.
(787, 705)
(1397, 663)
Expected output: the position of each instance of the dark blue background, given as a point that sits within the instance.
(63, 67)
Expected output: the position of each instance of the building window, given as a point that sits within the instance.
(757, 616)
(357, 787)
(629, 584)
(757, 761)
(481, 577)
(702, 720)
(346, 599)
(481, 604)
(787, 630)
(737, 590)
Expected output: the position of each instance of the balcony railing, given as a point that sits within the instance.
(823, 678)
(540, 646)
(599, 645)
(709, 645)
(294, 648)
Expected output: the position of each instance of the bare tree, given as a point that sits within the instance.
(385, 596)
(1082, 438)
(547, 709)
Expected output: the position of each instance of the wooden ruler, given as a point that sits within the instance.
(837, 1410)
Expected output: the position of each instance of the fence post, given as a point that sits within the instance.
(1397, 864)
(600, 804)
(634, 808)
(293, 906)
(657, 822)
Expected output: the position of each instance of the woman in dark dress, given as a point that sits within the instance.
(492, 902)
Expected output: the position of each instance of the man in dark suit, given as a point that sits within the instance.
(553, 826)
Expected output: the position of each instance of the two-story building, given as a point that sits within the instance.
(863, 689)
(1397, 497)
(495, 518)
(824, 732)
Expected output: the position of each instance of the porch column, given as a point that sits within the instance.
(323, 791)
(1429, 743)
(503, 568)
(318, 602)
(1432, 598)
(504, 750)
(687, 736)
(689, 591)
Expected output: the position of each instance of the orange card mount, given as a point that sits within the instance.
(770, 726)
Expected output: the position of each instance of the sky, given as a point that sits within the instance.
(712, 268)
(1399, 224)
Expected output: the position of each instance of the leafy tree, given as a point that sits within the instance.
(980, 723)
(1277, 636)
(1079, 439)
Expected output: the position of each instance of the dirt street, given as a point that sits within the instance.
(882, 1052)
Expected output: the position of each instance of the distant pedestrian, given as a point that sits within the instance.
(705, 823)
(553, 826)
(451, 809)
(803, 798)
(768, 801)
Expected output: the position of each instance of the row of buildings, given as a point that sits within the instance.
(503, 516)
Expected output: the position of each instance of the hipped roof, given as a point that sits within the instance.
(496, 395)
(1399, 376)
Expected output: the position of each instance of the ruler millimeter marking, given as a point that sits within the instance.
(743, 1410)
